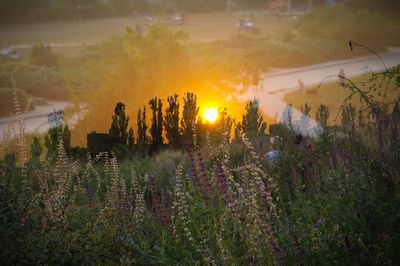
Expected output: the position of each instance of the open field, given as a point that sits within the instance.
(70, 35)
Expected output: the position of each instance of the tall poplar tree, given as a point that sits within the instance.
(171, 122)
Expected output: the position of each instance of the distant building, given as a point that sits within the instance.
(99, 142)
(55, 119)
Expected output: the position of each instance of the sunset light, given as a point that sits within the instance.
(210, 114)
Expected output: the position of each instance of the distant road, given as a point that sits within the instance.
(288, 79)
(35, 120)
(277, 83)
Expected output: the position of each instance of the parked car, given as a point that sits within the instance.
(9, 53)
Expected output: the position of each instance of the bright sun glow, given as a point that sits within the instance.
(211, 114)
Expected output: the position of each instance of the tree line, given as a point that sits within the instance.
(177, 128)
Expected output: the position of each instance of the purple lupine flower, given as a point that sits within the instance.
(193, 171)
(164, 198)
(299, 249)
(224, 188)
(119, 238)
(154, 197)
(202, 166)
(161, 215)
(166, 217)
(267, 227)
(89, 195)
(347, 245)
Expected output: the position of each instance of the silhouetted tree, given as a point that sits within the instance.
(189, 115)
(238, 130)
(156, 124)
(119, 126)
(171, 122)
(131, 138)
(225, 123)
(252, 121)
(142, 127)
(220, 129)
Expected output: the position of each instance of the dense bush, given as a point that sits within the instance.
(39, 81)
(42, 55)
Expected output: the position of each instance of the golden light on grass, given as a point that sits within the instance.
(210, 114)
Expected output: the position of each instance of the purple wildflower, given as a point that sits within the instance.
(202, 166)
(119, 238)
(89, 195)
(224, 188)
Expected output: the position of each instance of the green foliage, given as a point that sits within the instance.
(142, 126)
(156, 129)
(39, 81)
(119, 126)
(252, 121)
(171, 121)
(189, 115)
(42, 55)
(131, 137)
(9, 163)
(52, 140)
(36, 149)
(343, 24)
(142, 138)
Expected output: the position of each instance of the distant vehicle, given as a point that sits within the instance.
(9, 53)
(244, 24)
(151, 19)
(179, 19)
(274, 156)
(56, 118)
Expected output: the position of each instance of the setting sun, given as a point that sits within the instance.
(210, 114)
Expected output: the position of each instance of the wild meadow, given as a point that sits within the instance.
(210, 197)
